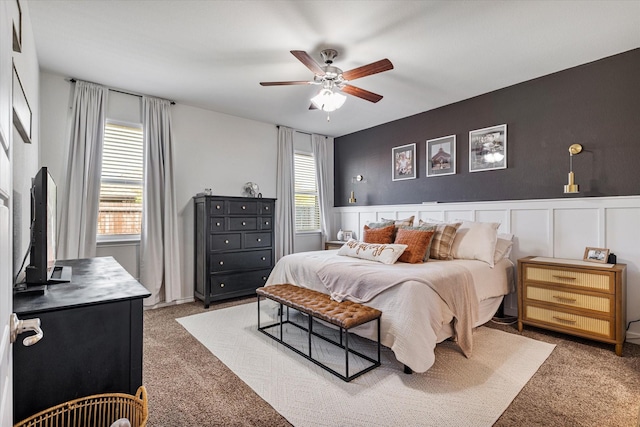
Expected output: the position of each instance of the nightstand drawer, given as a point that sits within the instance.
(582, 279)
(600, 303)
(571, 321)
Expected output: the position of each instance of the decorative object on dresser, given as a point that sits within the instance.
(600, 255)
(234, 251)
(573, 296)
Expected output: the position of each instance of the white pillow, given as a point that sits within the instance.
(476, 240)
(504, 242)
(384, 253)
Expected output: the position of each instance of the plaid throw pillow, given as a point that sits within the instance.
(443, 239)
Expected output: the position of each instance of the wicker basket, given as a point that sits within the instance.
(99, 410)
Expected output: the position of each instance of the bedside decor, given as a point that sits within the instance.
(441, 156)
(571, 186)
(250, 189)
(404, 162)
(600, 255)
(347, 235)
(574, 297)
(488, 148)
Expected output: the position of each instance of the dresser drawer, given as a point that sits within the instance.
(266, 223)
(257, 240)
(225, 242)
(238, 282)
(572, 322)
(266, 208)
(216, 224)
(582, 279)
(242, 207)
(240, 260)
(603, 303)
(241, 224)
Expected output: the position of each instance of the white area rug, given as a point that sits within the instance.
(456, 391)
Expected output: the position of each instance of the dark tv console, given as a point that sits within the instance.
(92, 340)
(60, 274)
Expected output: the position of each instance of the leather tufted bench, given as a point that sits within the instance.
(345, 315)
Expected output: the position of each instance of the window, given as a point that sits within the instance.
(306, 193)
(120, 209)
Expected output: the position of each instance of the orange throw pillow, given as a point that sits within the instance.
(417, 242)
(381, 235)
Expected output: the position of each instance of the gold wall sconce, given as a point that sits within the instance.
(572, 187)
(354, 180)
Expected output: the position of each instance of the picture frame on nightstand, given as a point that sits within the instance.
(600, 255)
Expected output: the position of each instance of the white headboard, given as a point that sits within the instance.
(549, 227)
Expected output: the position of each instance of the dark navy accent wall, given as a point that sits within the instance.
(595, 104)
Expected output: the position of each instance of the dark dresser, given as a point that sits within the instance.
(92, 339)
(234, 251)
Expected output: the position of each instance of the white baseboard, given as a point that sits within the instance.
(633, 338)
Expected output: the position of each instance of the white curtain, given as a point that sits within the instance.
(79, 207)
(323, 155)
(285, 205)
(159, 253)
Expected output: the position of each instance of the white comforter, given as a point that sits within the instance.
(413, 314)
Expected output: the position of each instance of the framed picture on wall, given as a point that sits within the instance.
(441, 156)
(404, 162)
(488, 148)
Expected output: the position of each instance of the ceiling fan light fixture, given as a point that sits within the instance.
(327, 100)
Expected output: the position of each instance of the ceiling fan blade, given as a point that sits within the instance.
(361, 93)
(367, 70)
(308, 61)
(300, 82)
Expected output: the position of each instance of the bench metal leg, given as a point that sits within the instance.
(346, 351)
(310, 331)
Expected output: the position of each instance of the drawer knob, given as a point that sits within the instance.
(218, 224)
(222, 285)
(264, 278)
(263, 258)
(244, 223)
(217, 206)
(266, 223)
(221, 262)
(266, 208)
(226, 241)
(259, 240)
(567, 299)
(244, 207)
(564, 319)
(564, 277)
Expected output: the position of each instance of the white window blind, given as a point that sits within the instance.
(306, 193)
(120, 211)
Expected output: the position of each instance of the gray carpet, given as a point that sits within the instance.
(582, 383)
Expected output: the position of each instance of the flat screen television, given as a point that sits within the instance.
(42, 253)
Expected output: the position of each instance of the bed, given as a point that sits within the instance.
(415, 318)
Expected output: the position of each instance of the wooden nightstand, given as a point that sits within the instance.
(575, 297)
(333, 244)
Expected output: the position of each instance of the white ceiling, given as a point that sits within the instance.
(212, 54)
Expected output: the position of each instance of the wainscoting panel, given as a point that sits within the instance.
(547, 227)
(574, 230)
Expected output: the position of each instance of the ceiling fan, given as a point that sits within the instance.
(331, 77)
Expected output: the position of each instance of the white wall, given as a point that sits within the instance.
(25, 155)
(560, 228)
(211, 150)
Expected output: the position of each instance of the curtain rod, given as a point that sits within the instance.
(299, 131)
(72, 80)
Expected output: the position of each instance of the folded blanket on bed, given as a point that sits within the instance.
(360, 282)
